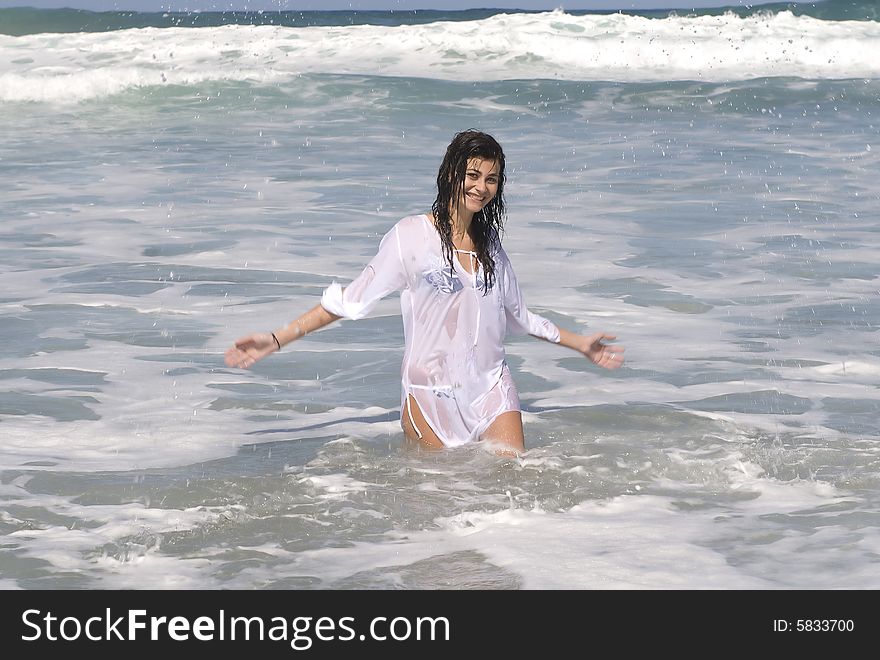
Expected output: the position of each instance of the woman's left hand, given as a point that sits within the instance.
(603, 355)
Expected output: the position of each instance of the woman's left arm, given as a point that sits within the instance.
(521, 320)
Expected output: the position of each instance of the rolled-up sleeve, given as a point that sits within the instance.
(384, 274)
(519, 319)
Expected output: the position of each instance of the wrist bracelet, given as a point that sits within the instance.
(277, 343)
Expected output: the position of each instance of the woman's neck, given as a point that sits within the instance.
(461, 223)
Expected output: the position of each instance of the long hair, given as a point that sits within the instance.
(488, 224)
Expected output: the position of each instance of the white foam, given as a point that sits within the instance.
(629, 542)
(336, 486)
(555, 45)
(132, 532)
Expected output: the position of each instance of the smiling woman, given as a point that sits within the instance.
(703, 189)
(459, 297)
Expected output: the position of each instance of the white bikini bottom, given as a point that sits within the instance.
(455, 422)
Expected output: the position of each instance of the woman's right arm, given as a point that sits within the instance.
(248, 350)
(385, 273)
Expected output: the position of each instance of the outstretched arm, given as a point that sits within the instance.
(384, 274)
(607, 356)
(252, 348)
(520, 319)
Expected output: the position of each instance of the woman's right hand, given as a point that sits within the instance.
(250, 349)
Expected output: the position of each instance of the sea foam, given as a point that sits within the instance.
(553, 45)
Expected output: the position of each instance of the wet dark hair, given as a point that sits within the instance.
(488, 224)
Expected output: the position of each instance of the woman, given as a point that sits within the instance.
(459, 296)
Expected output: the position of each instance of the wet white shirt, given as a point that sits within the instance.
(454, 354)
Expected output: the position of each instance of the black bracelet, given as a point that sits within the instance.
(277, 343)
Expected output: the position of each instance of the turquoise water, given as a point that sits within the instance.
(18, 21)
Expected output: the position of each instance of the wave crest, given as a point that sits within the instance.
(552, 45)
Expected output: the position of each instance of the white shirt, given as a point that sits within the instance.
(454, 333)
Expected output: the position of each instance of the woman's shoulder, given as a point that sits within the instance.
(412, 235)
(414, 221)
(412, 227)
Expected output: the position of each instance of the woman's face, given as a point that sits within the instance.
(480, 183)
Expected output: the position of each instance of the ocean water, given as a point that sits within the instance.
(703, 185)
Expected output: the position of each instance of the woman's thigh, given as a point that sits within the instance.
(506, 433)
(421, 435)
